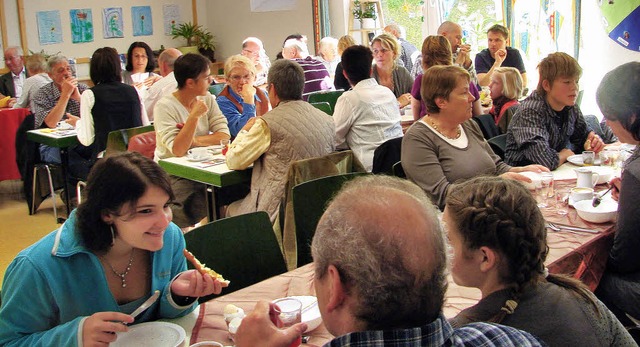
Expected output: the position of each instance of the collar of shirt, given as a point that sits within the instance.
(21, 75)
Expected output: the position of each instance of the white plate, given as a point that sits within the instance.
(157, 334)
(311, 312)
(577, 160)
(198, 159)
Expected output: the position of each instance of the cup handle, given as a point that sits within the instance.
(595, 179)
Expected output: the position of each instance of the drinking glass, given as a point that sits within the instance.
(545, 189)
(288, 312)
(588, 158)
(562, 201)
(225, 146)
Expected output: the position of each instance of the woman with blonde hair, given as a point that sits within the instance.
(506, 88)
(436, 50)
(339, 81)
(386, 70)
(240, 100)
(499, 242)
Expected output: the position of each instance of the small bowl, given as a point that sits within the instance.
(207, 344)
(605, 173)
(605, 212)
(535, 179)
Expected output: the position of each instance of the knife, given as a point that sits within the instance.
(145, 305)
(568, 227)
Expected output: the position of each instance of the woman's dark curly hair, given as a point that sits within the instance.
(114, 182)
(503, 215)
(151, 60)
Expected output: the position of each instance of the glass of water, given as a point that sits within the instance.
(545, 189)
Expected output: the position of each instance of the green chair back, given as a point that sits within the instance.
(498, 144)
(243, 249)
(323, 106)
(215, 89)
(329, 96)
(309, 202)
(118, 140)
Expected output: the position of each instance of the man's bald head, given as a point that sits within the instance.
(383, 236)
(166, 60)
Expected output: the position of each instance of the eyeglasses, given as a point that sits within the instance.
(382, 50)
(249, 52)
(237, 78)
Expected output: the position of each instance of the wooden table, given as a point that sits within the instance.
(62, 139)
(214, 176)
(10, 120)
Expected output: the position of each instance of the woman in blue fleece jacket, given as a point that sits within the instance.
(75, 285)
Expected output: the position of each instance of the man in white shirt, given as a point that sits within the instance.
(11, 82)
(167, 84)
(253, 49)
(368, 114)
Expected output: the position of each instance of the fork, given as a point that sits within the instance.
(555, 227)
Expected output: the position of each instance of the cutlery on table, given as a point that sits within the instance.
(145, 305)
(598, 198)
(558, 227)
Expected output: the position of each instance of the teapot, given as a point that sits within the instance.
(586, 178)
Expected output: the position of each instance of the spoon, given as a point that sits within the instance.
(598, 199)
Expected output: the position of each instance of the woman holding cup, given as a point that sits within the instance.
(618, 97)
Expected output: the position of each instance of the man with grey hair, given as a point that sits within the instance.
(407, 48)
(380, 275)
(11, 82)
(167, 84)
(316, 75)
(292, 130)
(253, 49)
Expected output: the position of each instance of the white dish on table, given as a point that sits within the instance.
(310, 311)
(605, 173)
(576, 159)
(156, 334)
(199, 159)
(605, 212)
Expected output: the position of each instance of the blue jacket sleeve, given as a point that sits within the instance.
(236, 119)
(28, 315)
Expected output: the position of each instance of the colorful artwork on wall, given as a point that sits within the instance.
(171, 14)
(81, 25)
(49, 27)
(112, 25)
(142, 21)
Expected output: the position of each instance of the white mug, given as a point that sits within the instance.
(586, 178)
(197, 153)
(581, 193)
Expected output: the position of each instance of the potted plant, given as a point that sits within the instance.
(206, 45)
(369, 15)
(189, 32)
(357, 15)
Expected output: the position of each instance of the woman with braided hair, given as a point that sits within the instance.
(498, 237)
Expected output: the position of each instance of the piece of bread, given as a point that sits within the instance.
(203, 269)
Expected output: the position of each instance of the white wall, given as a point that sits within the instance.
(598, 55)
(232, 21)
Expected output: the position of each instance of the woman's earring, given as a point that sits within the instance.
(113, 235)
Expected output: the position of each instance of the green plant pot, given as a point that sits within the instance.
(188, 49)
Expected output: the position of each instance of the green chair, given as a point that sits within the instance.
(215, 89)
(323, 106)
(118, 140)
(398, 170)
(309, 202)
(326, 96)
(243, 249)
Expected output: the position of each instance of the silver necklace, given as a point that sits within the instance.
(122, 275)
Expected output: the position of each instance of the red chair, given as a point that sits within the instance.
(144, 143)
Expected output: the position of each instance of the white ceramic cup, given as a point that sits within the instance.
(207, 344)
(198, 153)
(581, 193)
(586, 178)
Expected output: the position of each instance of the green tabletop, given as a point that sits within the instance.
(54, 138)
(222, 177)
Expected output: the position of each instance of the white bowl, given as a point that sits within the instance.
(535, 179)
(605, 172)
(605, 212)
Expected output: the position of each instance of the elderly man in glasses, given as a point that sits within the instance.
(11, 82)
(253, 49)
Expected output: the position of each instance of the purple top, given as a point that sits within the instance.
(316, 76)
(415, 92)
